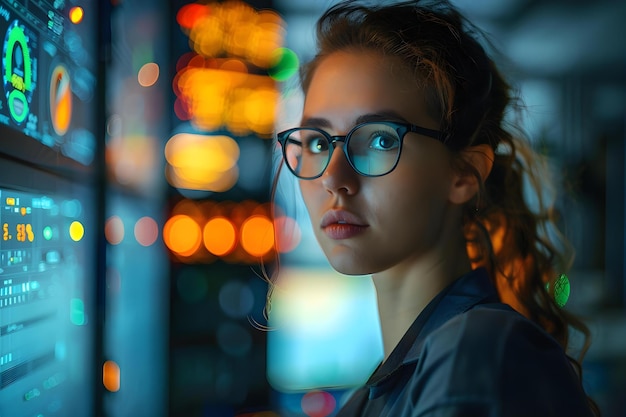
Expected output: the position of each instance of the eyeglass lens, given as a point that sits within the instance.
(372, 150)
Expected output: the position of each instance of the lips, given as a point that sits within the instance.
(341, 217)
(341, 224)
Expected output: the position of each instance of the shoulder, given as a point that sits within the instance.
(494, 327)
(494, 357)
(487, 337)
(497, 340)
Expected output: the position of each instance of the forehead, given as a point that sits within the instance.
(346, 85)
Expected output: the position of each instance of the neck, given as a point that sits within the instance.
(405, 290)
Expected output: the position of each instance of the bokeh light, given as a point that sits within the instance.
(146, 231)
(285, 65)
(214, 88)
(236, 299)
(318, 404)
(111, 376)
(219, 236)
(132, 159)
(257, 235)
(77, 231)
(189, 14)
(260, 109)
(148, 74)
(77, 312)
(114, 230)
(309, 348)
(76, 14)
(182, 235)
(236, 232)
(71, 208)
(201, 162)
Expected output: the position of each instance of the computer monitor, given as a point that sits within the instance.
(48, 208)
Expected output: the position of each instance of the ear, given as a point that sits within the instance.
(465, 185)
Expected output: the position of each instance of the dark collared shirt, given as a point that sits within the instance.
(467, 354)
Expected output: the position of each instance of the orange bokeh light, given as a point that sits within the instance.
(111, 376)
(214, 89)
(220, 236)
(76, 14)
(236, 232)
(189, 14)
(257, 235)
(182, 235)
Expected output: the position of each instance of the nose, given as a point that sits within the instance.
(339, 176)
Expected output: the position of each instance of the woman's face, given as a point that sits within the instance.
(364, 224)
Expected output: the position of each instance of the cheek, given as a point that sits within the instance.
(310, 195)
(414, 192)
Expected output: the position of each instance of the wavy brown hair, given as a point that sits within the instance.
(516, 241)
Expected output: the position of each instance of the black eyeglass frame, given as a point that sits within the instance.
(401, 129)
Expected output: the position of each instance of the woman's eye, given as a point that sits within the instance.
(317, 145)
(383, 142)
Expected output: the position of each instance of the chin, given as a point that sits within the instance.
(348, 266)
(345, 259)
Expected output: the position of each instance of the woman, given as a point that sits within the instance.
(409, 175)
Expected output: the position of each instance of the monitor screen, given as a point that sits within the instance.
(48, 75)
(48, 219)
(47, 282)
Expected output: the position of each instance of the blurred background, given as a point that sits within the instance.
(136, 164)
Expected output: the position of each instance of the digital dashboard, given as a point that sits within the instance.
(48, 219)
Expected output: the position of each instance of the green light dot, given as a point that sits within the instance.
(47, 232)
(286, 65)
(561, 290)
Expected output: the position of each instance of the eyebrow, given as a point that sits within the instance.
(384, 115)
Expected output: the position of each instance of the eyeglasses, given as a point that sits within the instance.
(371, 148)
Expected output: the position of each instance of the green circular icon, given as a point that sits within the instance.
(47, 232)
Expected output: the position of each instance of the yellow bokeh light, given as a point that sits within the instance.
(148, 74)
(77, 231)
(260, 109)
(261, 45)
(257, 235)
(206, 35)
(219, 236)
(190, 150)
(214, 89)
(111, 376)
(114, 230)
(202, 162)
(207, 180)
(76, 14)
(182, 235)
